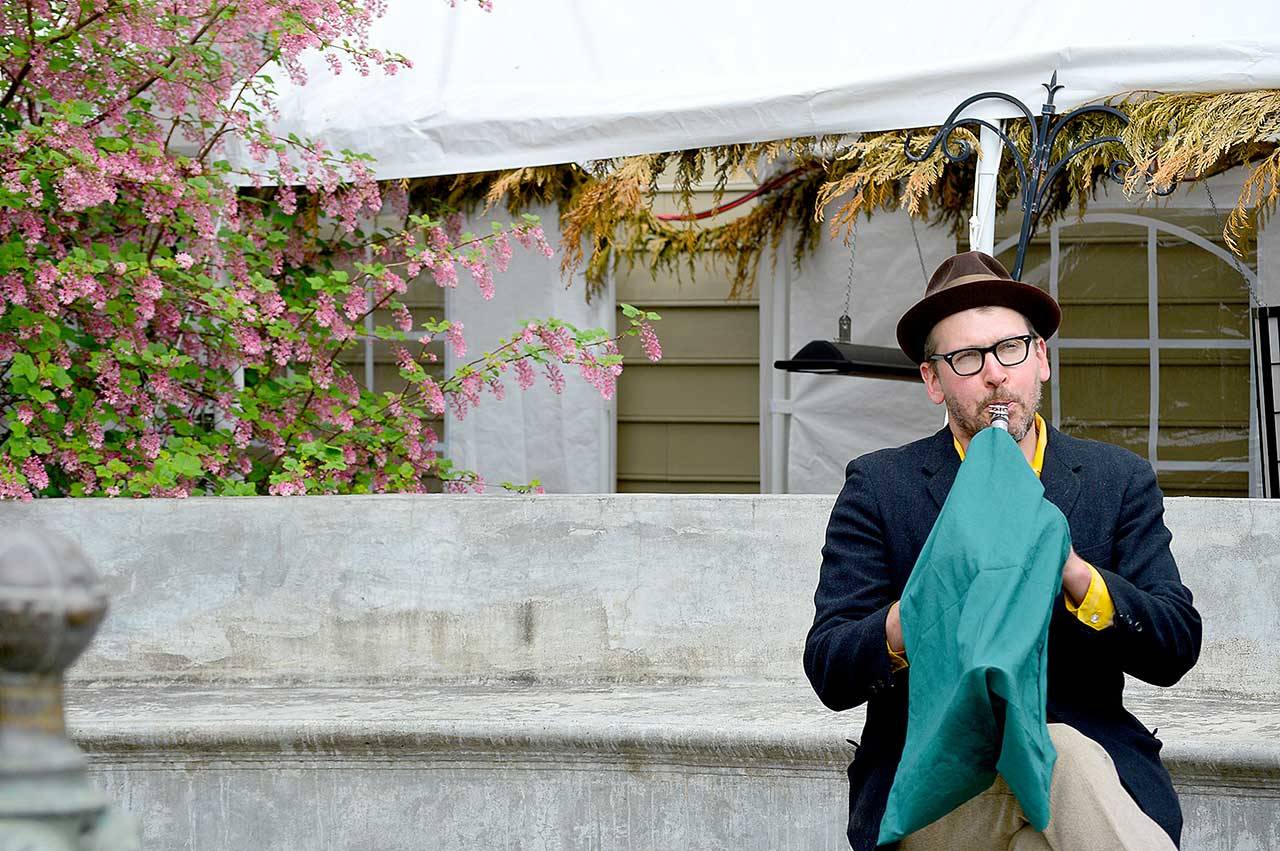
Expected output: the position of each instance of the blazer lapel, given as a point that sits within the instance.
(941, 464)
(1060, 474)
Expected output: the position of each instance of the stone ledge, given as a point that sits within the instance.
(732, 724)
(751, 765)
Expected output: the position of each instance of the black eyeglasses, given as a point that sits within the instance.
(1009, 352)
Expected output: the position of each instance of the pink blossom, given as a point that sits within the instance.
(184, 260)
(322, 375)
(456, 341)
(470, 387)
(433, 396)
(555, 376)
(541, 239)
(12, 485)
(150, 287)
(502, 251)
(37, 478)
(95, 435)
(288, 487)
(326, 314)
(402, 318)
(649, 341)
(560, 341)
(176, 492)
(273, 306)
(446, 275)
(524, 373)
(482, 275)
(603, 378)
(355, 304)
(150, 444)
(80, 189)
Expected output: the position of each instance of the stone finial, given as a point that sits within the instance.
(51, 602)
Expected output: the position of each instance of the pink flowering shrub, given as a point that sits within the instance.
(169, 327)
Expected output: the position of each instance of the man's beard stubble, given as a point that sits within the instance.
(1021, 421)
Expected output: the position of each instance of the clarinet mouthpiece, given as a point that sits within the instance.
(999, 416)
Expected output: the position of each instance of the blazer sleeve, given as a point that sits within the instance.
(1156, 631)
(846, 657)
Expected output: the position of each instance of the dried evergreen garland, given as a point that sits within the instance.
(607, 217)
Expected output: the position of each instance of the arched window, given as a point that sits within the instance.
(1153, 353)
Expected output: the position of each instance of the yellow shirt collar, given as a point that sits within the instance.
(1042, 440)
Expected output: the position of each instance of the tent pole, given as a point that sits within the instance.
(982, 224)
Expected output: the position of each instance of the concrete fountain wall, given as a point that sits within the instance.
(552, 672)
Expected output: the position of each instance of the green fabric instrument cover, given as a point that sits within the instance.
(975, 621)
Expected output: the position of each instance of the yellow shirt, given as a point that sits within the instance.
(1096, 610)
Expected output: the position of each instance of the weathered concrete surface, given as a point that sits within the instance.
(552, 672)
(617, 766)
(574, 589)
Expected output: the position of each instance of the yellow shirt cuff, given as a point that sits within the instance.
(1096, 609)
(896, 660)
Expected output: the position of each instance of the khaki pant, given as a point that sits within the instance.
(1090, 811)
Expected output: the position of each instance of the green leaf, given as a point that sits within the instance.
(59, 377)
(24, 367)
(186, 465)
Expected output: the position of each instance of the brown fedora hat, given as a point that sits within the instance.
(968, 280)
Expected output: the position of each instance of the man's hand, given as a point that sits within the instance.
(893, 629)
(1076, 577)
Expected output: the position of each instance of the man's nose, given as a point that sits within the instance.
(994, 373)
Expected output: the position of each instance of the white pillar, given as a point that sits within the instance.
(982, 224)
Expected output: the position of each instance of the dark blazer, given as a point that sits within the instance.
(1115, 511)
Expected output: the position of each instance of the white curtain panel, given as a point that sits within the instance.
(837, 418)
(565, 440)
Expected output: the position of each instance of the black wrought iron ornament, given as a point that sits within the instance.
(1035, 178)
(1036, 175)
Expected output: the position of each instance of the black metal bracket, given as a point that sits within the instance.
(1034, 177)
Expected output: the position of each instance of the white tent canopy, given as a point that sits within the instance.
(537, 82)
(540, 82)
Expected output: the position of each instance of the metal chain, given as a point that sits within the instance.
(924, 273)
(1254, 298)
(853, 244)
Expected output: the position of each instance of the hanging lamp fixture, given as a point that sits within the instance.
(841, 356)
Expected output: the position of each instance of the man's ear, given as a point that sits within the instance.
(932, 383)
(1042, 358)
